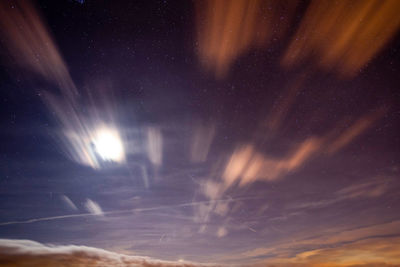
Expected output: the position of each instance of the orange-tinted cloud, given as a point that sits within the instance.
(246, 165)
(343, 35)
(227, 29)
(374, 245)
(371, 252)
(355, 130)
(281, 107)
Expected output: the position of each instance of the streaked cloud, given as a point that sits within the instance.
(68, 202)
(29, 42)
(357, 128)
(154, 145)
(94, 210)
(228, 29)
(343, 36)
(339, 36)
(247, 165)
(201, 141)
(374, 188)
(93, 207)
(368, 189)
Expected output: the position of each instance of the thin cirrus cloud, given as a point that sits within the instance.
(30, 253)
(68, 202)
(372, 188)
(93, 207)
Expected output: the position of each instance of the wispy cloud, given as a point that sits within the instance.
(201, 141)
(93, 207)
(333, 36)
(154, 145)
(357, 128)
(30, 43)
(68, 202)
(337, 35)
(95, 211)
(228, 29)
(366, 189)
(247, 164)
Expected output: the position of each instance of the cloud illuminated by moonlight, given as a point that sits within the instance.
(30, 253)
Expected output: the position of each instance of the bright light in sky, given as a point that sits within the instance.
(108, 144)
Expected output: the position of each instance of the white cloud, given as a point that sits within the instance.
(93, 207)
(68, 202)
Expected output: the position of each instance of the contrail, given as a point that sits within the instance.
(115, 212)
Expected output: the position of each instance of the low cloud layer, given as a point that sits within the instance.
(378, 252)
(374, 245)
(365, 253)
(30, 253)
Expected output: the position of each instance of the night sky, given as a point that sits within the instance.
(261, 133)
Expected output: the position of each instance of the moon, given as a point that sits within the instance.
(108, 145)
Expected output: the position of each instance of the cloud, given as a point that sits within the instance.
(222, 209)
(222, 231)
(30, 253)
(94, 212)
(369, 189)
(68, 202)
(371, 244)
(334, 36)
(201, 141)
(246, 165)
(374, 252)
(373, 188)
(228, 29)
(28, 40)
(154, 145)
(93, 207)
(355, 130)
(337, 35)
